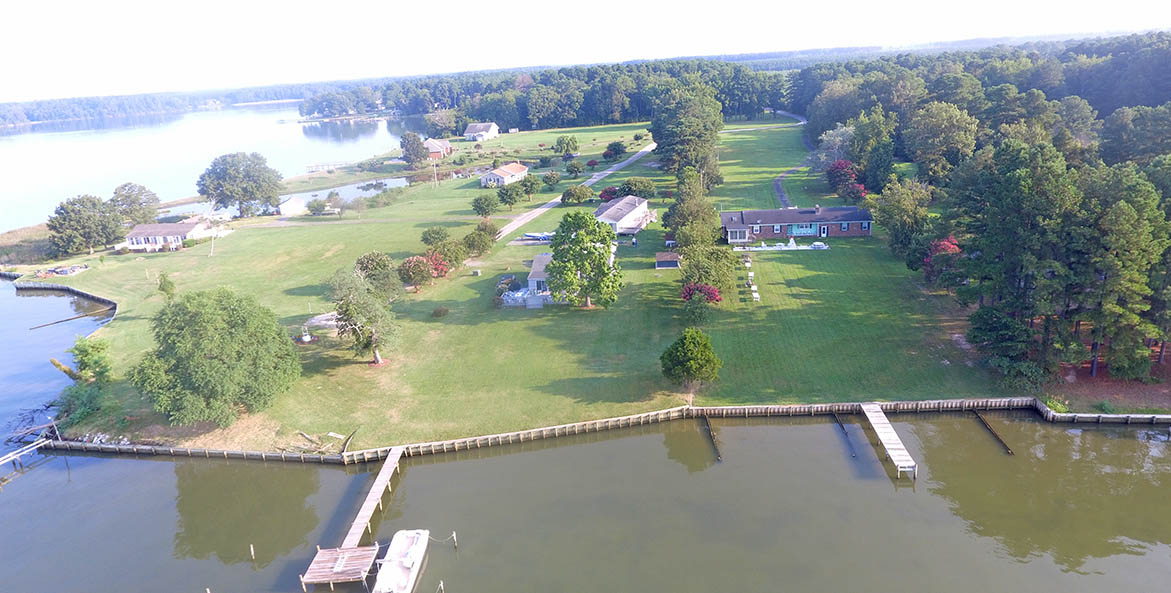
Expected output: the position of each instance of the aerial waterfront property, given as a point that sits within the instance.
(875, 318)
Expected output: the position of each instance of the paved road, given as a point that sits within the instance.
(524, 219)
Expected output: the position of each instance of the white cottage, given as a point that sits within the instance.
(479, 132)
(627, 215)
(168, 236)
(501, 176)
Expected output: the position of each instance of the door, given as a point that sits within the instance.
(825, 230)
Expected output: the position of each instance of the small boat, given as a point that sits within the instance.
(398, 571)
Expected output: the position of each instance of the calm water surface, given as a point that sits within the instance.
(27, 379)
(46, 165)
(1077, 509)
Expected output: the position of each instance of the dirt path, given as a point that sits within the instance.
(525, 218)
(778, 187)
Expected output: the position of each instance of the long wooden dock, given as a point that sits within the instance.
(352, 562)
(895, 451)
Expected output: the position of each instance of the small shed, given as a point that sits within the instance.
(667, 260)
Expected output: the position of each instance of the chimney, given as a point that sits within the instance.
(817, 209)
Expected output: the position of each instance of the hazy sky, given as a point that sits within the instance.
(77, 48)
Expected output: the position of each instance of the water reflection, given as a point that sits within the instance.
(1073, 492)
(688, 445)
(223, 507)
(340, 131)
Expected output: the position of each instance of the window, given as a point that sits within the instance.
(845, 226)
(737, 235)
(756, 229)
(803, 230)
(866, 226)
(776, 229)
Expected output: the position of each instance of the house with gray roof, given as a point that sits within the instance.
(748, 226)
(626, 215)
(479, 132)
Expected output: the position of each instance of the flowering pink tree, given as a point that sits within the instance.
(840, 174)
(608, 193)
(852, 192)
(709, 292)
(437, 266)
(940, 256)
(414, 271)
(592, 164)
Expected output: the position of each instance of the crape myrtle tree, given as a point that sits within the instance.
(581, 270)
(243, 180)
(217, 354)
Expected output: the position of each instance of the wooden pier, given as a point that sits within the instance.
(15, 456)
(352, 562)
(895, 451)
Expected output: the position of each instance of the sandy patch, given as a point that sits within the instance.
(333, 251)
(252, 431)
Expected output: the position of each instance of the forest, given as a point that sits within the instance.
(1042, 197)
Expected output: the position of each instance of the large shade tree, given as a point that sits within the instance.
(581, 270)
(83, 223)
(135, 203)
(243, 180)
(217, 354)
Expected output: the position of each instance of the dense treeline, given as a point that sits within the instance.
(564, 97)
(1053, 221)
(128, 105)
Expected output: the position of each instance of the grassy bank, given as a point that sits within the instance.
(846, 324)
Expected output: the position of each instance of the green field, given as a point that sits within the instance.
(845, 324)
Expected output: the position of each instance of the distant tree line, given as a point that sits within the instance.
(158, 103)
(564, 97)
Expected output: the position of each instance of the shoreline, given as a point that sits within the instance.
(615, 423)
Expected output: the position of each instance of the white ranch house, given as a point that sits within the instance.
(165, 236)
(479, 132)
(627, 215)
(501, 176)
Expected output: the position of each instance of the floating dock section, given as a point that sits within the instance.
(895, 451)
(352, 562)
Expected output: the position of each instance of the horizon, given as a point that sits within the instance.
(90, 62)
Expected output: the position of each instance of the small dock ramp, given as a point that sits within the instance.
(895, 451)
(352, 562)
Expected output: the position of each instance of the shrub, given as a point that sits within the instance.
(478, 242)
(189, 243)
(1061, 407)
(479, 147)
(435, 235)
(544, 162)
(710, 293)
(78, 401)
(1105, 407)
(438, 312)
(696, 312)
(639, 137)
(122, 251)
(488, 228)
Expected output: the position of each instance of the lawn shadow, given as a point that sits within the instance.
(308, 290)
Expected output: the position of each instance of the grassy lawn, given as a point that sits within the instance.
(846, 324)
